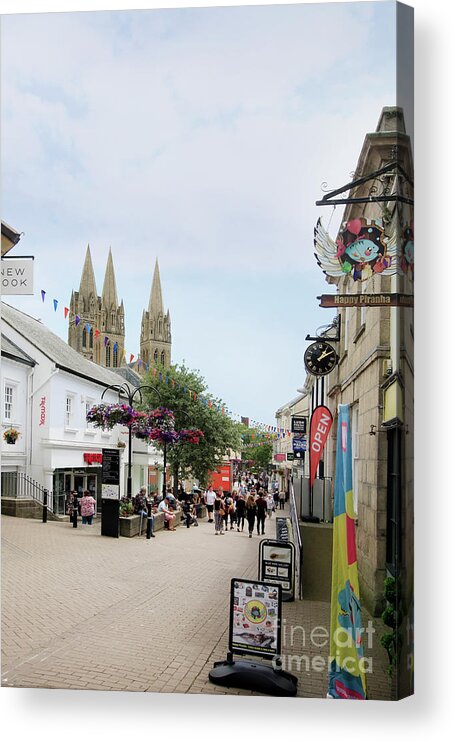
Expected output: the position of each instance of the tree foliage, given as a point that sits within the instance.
(260, 455)
(221, 434)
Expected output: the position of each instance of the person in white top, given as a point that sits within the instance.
(270, 504)
(209, 499)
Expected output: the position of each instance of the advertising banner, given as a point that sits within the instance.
(346, 675)
(255, 618)
(321, 422)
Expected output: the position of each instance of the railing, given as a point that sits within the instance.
(17, 484)
(297, 538)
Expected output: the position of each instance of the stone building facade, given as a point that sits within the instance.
(375, 371)
(97, 323)
(156, 337)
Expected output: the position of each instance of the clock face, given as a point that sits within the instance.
(320, 359)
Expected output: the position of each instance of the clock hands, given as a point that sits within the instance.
(326, 353)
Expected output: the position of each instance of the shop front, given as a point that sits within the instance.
(78, 479)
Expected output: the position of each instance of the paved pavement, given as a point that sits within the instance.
(82, 611)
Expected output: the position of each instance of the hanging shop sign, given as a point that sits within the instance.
(279, 457)
(366, 300)
(320, 424)
(255, 618)
(299, 443)
(361, 249)
(298, 425)
(17, 276)
(277, 565)
(290, 456)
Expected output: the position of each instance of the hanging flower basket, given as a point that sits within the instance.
(163, 436)
(11, 435)
(107, 415)
(191, 435)
(162, 418)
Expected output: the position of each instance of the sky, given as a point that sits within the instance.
(202, 137)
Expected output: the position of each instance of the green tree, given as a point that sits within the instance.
(176, 390)
(260, 455)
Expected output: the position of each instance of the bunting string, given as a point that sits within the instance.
(266, 432)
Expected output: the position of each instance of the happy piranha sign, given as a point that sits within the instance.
(361, 249)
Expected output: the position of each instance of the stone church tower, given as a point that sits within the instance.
(99, 334)
(156, 328)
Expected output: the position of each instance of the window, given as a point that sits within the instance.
(115, 356)
(163, 358)
(108, 356)
(69, 411)
(8, 408)
(84, 338)
(155, 356)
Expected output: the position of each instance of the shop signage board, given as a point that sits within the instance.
(290, 456)
(110, 492)
(282, 528)
(277, 565)
(366, 300)
(17, 276)
(298, 425)
(255, 618)
(299, 443)
(110, 474)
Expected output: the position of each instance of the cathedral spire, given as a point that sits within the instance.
(156, 297)
(88, 284)
(109, 297)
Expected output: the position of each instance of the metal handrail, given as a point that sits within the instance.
(20, 485)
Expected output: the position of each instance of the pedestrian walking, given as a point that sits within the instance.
(240, 512)
(250, 509)
(281, 499)
(229, 512)
(261, 509)
(218, 511)
(87, 508)
(209, 499)
(270, 504)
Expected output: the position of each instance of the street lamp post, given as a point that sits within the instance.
(130, 395)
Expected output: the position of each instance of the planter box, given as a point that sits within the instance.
(129, 526)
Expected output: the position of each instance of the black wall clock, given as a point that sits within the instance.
(320, 358)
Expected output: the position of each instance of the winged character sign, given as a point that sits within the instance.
(362, 248)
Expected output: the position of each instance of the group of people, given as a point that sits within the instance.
(248, 502)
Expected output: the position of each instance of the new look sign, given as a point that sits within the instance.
(17, 276)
